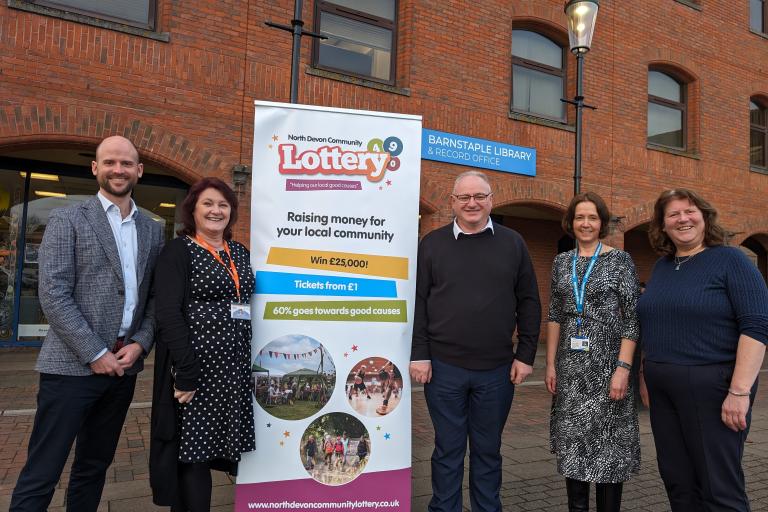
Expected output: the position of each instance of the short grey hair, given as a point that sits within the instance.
(467, 174)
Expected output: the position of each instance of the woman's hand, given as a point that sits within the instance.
(643, 390)
(550, 378)
(734, 412)
(184, 397)
(619, 384)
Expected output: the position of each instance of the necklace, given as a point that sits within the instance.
(685, 259)
(679, 261)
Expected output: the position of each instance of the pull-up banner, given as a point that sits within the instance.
(334, 232)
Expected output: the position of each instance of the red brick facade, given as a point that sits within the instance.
(187, 103)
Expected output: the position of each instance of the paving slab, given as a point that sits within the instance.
(530, 481)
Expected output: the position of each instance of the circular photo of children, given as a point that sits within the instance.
(335, 448)
(293, 377)
(374, 387)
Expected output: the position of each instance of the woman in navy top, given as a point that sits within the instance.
(704, 327)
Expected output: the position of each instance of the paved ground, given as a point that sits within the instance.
(530, 481)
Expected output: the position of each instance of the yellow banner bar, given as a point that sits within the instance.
(368, 264)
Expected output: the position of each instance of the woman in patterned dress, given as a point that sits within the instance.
(591, 338)
(202, 412)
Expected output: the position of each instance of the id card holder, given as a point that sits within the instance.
(240, 311)
(580, 343)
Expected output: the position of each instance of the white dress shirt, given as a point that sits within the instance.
(458, 231)
(124, 230)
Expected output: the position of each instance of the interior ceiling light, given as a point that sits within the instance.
(45, 193)
(40, 176)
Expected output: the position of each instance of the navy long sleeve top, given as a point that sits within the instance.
(471, 295)
(695, 315)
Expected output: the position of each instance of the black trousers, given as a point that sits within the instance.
(88, 409)
(699, 457)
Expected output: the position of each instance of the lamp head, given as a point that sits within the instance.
(581, 23)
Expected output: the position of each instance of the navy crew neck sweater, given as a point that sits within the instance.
(695, 315)
(471, 294)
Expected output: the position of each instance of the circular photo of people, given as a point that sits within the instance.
(374, 387)
(293, 377)
(335, 448)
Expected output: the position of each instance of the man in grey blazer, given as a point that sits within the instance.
(96, 262)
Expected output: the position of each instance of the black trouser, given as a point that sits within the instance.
(89, 409)
(699, 457)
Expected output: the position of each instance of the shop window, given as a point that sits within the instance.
(758, 135)
(361, 38)
(758, 15)
(136, 13)
(667, 111)
(538, 75)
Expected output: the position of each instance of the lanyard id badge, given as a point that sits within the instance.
(231, 269)
(579, 292)
(240, 311)
(580, 343)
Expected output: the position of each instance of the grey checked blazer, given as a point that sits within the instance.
(82, 290)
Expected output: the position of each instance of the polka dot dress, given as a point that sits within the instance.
(218, 422)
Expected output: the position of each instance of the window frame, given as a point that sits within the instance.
(329, 7)
(764, 28)
(562, 73)
(682, 106)
(762, 105)
(61, 5)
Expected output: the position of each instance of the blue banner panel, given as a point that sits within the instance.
(482, 153)
(281, 283)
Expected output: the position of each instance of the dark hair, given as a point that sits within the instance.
(602, 212)
(188, 206)
(714, 234)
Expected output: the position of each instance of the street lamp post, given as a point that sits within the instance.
(581, 25)
(297, 29)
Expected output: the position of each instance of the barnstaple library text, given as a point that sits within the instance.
(490, 149)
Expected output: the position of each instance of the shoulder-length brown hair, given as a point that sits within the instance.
(188, 206)
(714, 234)
(602, 212)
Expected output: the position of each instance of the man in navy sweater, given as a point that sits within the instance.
(475, 285)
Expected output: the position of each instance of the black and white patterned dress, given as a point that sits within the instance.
(218, 422)
(594, 438)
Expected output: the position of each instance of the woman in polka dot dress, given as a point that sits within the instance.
(202, 416)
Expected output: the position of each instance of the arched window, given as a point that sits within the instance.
(758, 134)
(666, 110)
(538, 75)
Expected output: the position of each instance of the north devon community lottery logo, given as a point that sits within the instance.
(335, 158)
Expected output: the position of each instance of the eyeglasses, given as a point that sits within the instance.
(464, 198)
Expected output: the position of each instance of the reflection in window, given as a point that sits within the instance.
(538, 75)
(11, 198)
(666, 110)
(361, 38)
(137, 13)
(758, 135)
(758, 15)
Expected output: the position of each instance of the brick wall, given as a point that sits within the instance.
(187, 103)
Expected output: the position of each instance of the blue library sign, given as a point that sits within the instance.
(482, 153)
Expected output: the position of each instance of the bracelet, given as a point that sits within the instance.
(622, 364)
(730, 392)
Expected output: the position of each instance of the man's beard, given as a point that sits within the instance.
(106, 185)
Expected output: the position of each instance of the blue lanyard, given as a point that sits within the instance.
(578, 291)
